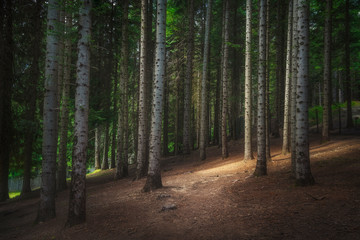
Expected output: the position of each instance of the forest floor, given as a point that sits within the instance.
(212, 199)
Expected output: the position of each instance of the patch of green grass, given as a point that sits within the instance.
(94, 172)
(14, 194)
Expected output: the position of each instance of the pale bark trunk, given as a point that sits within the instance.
(154, 173)
(286, 132)
(261, 138)
(267, 88)
(303, 172)
(224, 148)
(143, 113)
(46, 209)
(188, 81)
(203, 113)
(77, 204)
(64, 116)
(248, 85)
(327, 72)
(294, 55)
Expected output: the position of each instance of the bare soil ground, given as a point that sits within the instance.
(212, 199)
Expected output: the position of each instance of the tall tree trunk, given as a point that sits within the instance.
(46, 209)
(143, 113)
(97, 147)
(31, 100)
(64, 116)
(261, 138)
(267, 85)
(303, 172)
(286, 132)
(77, 203)
(105, 160)
(327, 72)
(294, 55)
(248, 85)
(188, 80)
(153, 180)
(224, 148)
(349, 120)
(6, 80)
(203, 111)
(122, 166)
(166, 118)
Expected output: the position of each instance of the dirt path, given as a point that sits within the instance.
(213, 199)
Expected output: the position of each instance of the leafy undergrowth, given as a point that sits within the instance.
(212, 199)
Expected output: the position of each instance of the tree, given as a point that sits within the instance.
(248, 98)
(267, 84)
(286, 132)
(123, 132)
(64, 116)
(349, 120)
(46, 209)
(77, 203)
(327, 71)
(153, 180)
(203, 113)
(6, 80)
(225, 76)
(261, 141)
(143, 113)
(188, 81)
(303, 171)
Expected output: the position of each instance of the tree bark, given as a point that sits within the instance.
(261, 138)
(303, 172)
(153, 180)
(224, 148)
(203, 108)
(77, 203)
(188, 80)
(349, 120)
(46, 209)
(248, 155)
(327, 72)
(286, 126)
(97, 147)
(64, 116)
(267, 86)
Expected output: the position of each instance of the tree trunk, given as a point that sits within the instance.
(203, 111)
(97, 147)
(154, 173)
(261, 138)
(166, 118)
(6, 80)
(294, 55)
(267, 84)
(349, 120)
(286, 126)
(46, 209)
(64, 116)
(327, 72)
(188, 80)
(143, 113)
(248, 155)
(105, 162)
(224, 148)
(303, 172)
(77, 203)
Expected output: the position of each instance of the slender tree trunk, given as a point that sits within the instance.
(248, 85)
(294, 55)
(46, 209)
(188, 80)
(286, 132)
(261, 138)
(166, 119)
(6, 80)
(77, 203)
(154, 173)
(303, 172)
(349, 120)
(225, 76)
(327, 72)
(105, 160)
(267, 84)
(143, 113)
(203, 111)
(64, 116)
(97, 147)
(114, 124)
